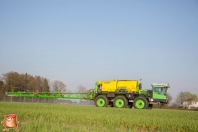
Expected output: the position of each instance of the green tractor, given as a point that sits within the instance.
(123, 93)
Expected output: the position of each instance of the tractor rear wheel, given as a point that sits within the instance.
(140, 103)
(101, 101)
(120, 102)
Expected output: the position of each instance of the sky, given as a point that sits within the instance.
(81, 42)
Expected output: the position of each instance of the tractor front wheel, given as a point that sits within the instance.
(101, 101)
(140, 103)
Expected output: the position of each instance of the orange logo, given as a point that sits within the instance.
(10, 122)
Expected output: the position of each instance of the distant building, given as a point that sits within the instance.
(191, 105)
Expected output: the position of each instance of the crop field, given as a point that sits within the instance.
(43, 117)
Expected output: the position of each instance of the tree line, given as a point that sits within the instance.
(13, 82)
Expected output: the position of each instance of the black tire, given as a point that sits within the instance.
(101, 101)
(120, 102)
(140, 103)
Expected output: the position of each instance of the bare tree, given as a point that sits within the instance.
(186, 98)
(31, 86)
(169, 97)
(2, 89)
(46, 85)
(81, 89)
(182, 97)
(12, 81)
(58, 86)
(192, 99)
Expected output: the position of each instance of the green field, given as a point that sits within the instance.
(62, 118)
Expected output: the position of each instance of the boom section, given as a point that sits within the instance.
(65, 95)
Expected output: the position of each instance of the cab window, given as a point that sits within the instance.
(159, 90)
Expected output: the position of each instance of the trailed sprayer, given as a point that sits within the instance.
(114, 93)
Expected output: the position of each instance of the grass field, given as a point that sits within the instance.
(62, 118)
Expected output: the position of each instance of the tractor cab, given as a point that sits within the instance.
(159, 92)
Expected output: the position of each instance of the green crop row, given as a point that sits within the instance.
(61, 118)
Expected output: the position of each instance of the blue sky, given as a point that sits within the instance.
(80, 42)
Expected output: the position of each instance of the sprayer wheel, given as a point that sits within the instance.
(120, 102)
(101, 101)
